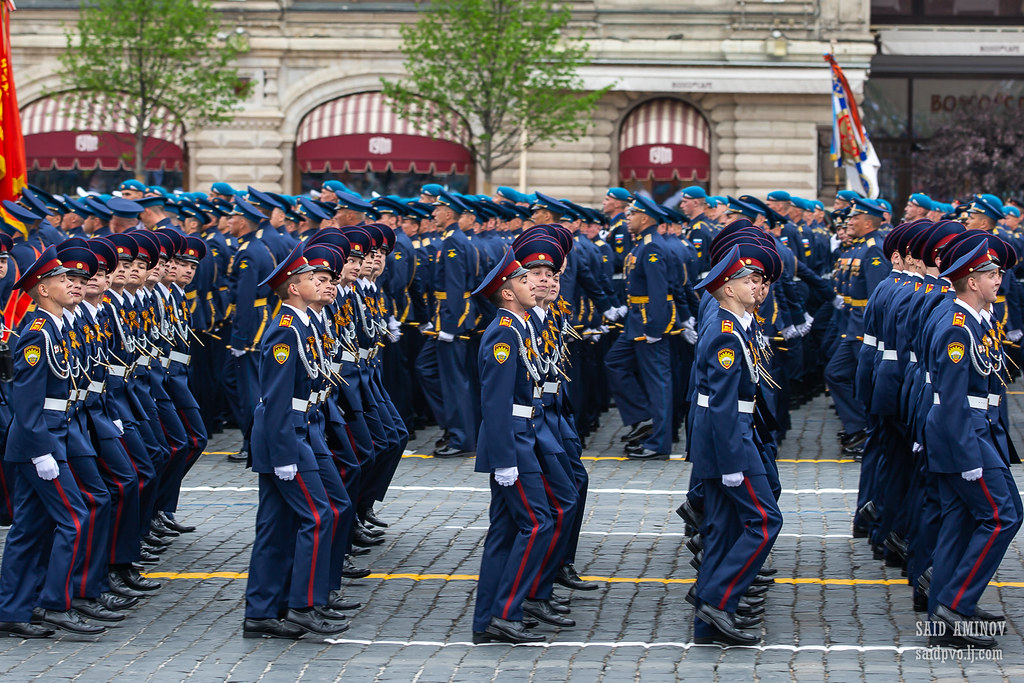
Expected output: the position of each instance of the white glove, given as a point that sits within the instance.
(603, 329)
(612, 314)
(394, 325)
(651, 340)
(120, 427)
(916, 448)
(622, 311)
(690, 335)
(789, 332)
(808, 320)
(969, 475)
(445, 337)
(594, 336)
(1014, 335)
(429, 327)
(803, 329)
(394, 336)
(237, 353)
(732, 480)
(837, 302)
(46, 467)
(286, 473)
(506, 476)
(690, 323)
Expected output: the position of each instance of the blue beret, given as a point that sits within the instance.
(1011, 211)
(884, 204)
(694, 192)
(818, 206)
(162, 191)
(432, 190)
(779, 196)
(620, 193)
(847, 195)
(799, 203)
(512, 194)
(132, 185)
(224, 189)
(923, 201)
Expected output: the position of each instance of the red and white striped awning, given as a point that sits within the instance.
(361, 133)
(65, 132)
(665, 139)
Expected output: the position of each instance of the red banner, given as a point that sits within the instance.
(12, 147)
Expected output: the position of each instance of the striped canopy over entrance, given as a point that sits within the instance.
(360, 133)
(63, 133)
(665, 139)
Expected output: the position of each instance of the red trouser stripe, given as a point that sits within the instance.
(764, 542)
(92, 528)
(984, 551)
(74, 550)
(526, 555)
(554, 539)
(316, 537)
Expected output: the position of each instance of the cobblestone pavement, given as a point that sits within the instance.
(835, 613)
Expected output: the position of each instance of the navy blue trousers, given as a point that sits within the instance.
(291, 554)
(122, 482)
(520, 532)
(91, 577)
(639, 378)
(49, 517)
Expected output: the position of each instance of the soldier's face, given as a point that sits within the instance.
(979, 221)
(745, 290)
(556, 287)
(307, 288)
(137, 272)
(638, 221)
(131, 195)
(156, 273)
(540, 278)
(119, 278)
(691, 206)
(350, 273)
(76, 290)
(525, 292)
(988, 285)
(913, 212)
(3, 265)
(96, 285)
(58, 290)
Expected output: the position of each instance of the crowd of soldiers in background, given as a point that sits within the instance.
(422, 332)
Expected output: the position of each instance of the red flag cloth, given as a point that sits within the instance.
(12, 146)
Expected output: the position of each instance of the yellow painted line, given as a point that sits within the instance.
(602, 579)
(604, 457)
(1018, 393)
(812, 460)
(221, 452)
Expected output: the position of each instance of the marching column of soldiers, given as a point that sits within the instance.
(329, 328)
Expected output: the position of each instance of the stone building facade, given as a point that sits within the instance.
(730, 94)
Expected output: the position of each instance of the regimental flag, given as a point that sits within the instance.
(12, 146)
(851, 148)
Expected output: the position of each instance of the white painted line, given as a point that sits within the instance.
(640, 644)
(481, 489)
(651, 533)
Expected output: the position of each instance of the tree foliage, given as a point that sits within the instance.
(151, 63)
(982, 151)
(493, 68)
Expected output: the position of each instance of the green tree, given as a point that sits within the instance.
(494, 69)
(151, 63)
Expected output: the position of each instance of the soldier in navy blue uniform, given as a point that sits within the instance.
(43, 550)
(250, 266)
(638, 361)
(699, 233)
(288, 571)
(967, 449)
(614, 206)
(741, 518)
(520, 516)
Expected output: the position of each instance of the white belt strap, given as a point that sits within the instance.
(978, 402)
(522, 411)
(347, 357)
(881, 346)
(935, 400)
(870, 340)
(537, 391)
(747, 407)
(913, 357)
(364, 354)
(96, 387)
(165, 361)
(117, 370)
(927, 378)
(336, 367)
(178, 357)
(300, 405)
(618, 276)
(551, 387)
(994, 400)
(890, 354)
(58, 404)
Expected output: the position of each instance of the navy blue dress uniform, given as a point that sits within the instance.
(741, 519)
(967, 448)
(252, 308)
(43, 550)
(455, 276)
(700, 231)
(866, 266)
(290, 563)
(619, 238)
(521, 523)
(637, 360)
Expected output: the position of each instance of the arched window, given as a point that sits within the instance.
(664, 145)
